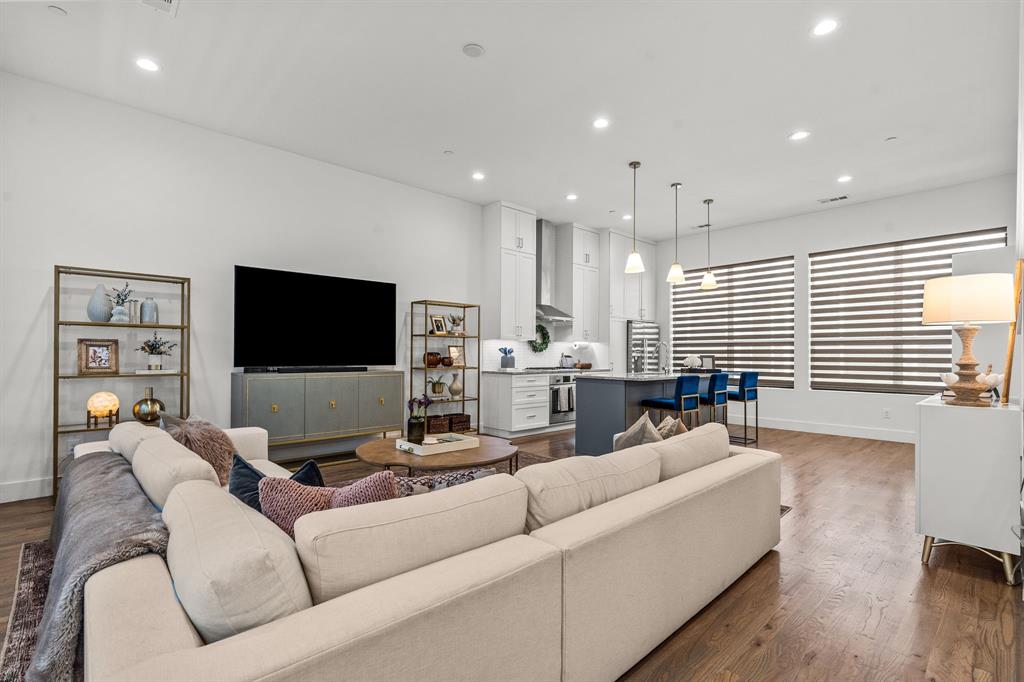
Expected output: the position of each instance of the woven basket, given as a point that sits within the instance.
(460, 422)
(438, 423)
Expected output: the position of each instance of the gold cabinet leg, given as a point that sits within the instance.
(1011, 578)
(926, 552)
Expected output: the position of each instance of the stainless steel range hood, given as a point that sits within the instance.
(546, 263)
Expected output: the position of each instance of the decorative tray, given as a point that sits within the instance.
(445, 442)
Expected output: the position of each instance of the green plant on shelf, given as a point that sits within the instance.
(156, 346)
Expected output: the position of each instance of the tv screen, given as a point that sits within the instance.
(290, 319)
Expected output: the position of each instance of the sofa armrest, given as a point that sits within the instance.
(740, 450)
(495, 610)
(132, 614)
(250, 442)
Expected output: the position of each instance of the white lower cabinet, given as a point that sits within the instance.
(514, 402)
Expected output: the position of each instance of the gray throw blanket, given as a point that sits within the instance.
(102, 518)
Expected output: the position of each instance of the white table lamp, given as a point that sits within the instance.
(966, 301)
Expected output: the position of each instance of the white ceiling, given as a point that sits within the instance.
(700, 92)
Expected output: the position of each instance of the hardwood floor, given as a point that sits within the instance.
(843, 596)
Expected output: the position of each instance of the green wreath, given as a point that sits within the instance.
(545, 339)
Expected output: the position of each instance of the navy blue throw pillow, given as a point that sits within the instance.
(244, 480)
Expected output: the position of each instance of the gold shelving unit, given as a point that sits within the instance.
(61, 276)
(420, 344)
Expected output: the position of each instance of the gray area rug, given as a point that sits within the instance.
(34, 568)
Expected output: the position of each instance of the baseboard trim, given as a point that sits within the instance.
(894, 435)
(13, 491)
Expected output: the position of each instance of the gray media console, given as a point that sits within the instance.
(308, 408)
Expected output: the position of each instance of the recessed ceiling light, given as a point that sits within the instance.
(472, 50)
(147, 64)
(478, 176)
(600, 122)
(825, 26)
(58, 10)
(627, 217)
(844, 178)
(447, 152)
(891, 138)
(571, 197)
(798, 135)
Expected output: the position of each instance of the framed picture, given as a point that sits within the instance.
(707, 361)
(438, 325)
(457, 354)
(97, 356)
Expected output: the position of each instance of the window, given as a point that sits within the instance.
(865, 313)
(746, 323)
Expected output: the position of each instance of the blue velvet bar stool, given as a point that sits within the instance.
(746, 393)
(684, 401)
(715, 396)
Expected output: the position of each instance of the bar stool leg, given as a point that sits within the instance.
(746, 441)
(757, 423)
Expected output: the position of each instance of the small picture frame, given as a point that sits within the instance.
(97, 356)
(438, 325)
(457, 354)
(707, 361)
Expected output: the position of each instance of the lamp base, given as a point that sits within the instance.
(968, 388)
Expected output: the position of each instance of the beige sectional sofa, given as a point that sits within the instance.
(571, 570)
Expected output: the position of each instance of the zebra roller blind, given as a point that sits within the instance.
(865, 313)
(746, 323)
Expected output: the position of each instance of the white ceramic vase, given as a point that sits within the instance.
(99, 307)
(455, 388)
(155, 362)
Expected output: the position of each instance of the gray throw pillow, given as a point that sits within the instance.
(642, 431)
(670, 426)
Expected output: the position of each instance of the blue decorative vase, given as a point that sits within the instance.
(99, 307)
(508, 362)
(150, 312)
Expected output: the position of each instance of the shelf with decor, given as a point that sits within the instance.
(95, 378)
(449, 329)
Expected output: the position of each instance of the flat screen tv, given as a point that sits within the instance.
(294, 319)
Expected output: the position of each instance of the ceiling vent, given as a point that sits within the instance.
(168, 7)
(829, 200)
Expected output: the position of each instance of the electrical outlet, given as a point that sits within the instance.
(885, 413)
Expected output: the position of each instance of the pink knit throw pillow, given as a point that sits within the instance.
(283, 500)
(206, 440)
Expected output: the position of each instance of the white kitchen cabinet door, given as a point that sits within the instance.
(526, 296)
(591, 304)
(526, 227)
(509, 228)
(648, 281)
(585, 247)
(508, 293)
(623, 289)
(578, 302)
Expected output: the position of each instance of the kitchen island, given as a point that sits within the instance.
(607, 404)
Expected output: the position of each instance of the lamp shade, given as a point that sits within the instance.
(708, 282)
(634, 263)
(676, 274)
(975, 299)
(102, 404)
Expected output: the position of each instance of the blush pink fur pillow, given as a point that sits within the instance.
(206, 440)
(283, 500)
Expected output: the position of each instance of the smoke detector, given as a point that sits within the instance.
(472, 50)
(829, 200)
(168, 7)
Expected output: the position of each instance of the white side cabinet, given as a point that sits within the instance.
(514, 402)
(968, 473)
(631, 297)
(510, 265)
(577, 276)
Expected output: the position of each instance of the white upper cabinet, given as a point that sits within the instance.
(585, 247)
(631, 297)
(518, 229)
(577, 279)
(648, 280)
(509, 287)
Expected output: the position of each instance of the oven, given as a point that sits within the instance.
(563, 399)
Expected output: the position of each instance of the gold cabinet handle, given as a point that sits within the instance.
(381, 399)
(274, 408)
(333, 404)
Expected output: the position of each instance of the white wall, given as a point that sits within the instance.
(976, 205)
(90, 183)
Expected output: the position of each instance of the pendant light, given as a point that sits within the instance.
(675, 273)
(709, 282)
(634, 263)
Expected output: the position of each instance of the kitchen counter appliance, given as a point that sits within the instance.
(563, 399)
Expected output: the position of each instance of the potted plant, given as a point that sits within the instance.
(414, 428)
(508, 361)
(436, 386)
(156, 348)
(120, 299)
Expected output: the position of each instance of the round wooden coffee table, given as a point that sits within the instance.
(383, 453)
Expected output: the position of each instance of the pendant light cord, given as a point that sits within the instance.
(707, 202)
(634, 208)
(677, 222)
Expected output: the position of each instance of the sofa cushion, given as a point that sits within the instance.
(250, 441)
(671, 426)
(232, 568)
(162, 463)
(692, 450)
(244, 478)
(345, 549)
(126, 437)
(283, 500)
(568, 486)
(206, 440)
(641, 431)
